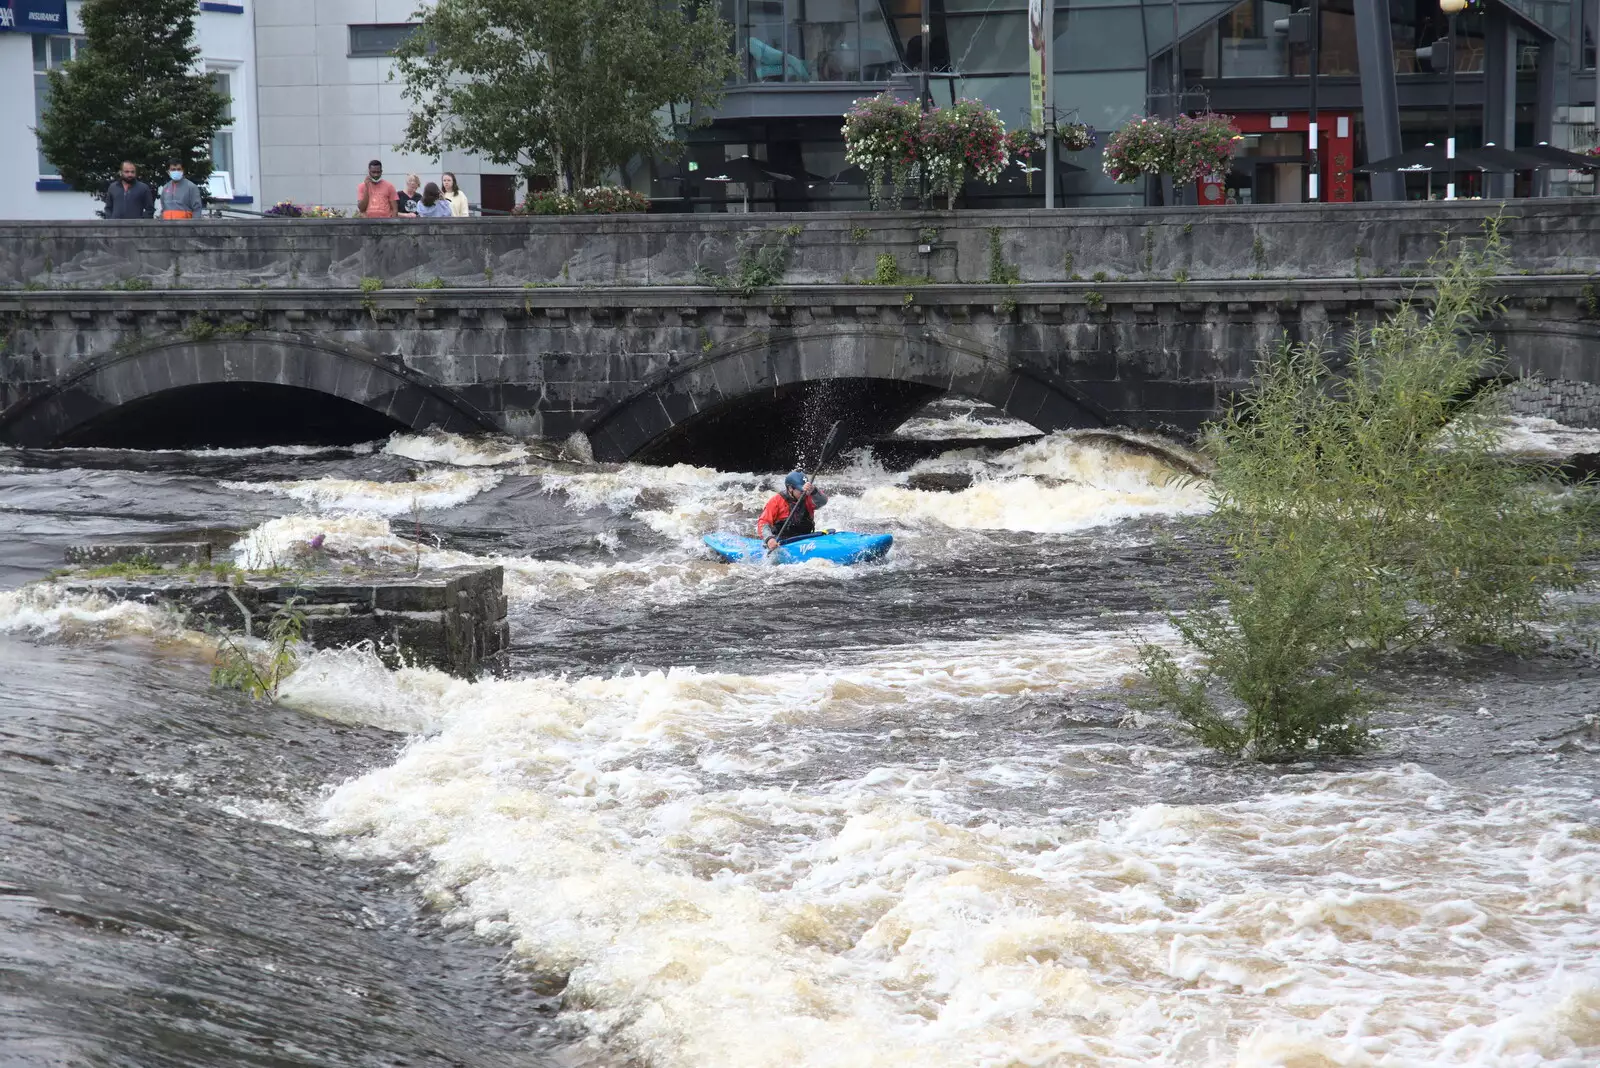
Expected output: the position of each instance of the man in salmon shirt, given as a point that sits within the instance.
(376, 198)
(799, 496)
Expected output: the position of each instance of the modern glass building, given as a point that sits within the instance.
(1524, 73)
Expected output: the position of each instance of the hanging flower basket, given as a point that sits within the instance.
(883, 136)
(1186, 149)
(1202, 147)
(967, 136)
(1143, 146)
(1076, 137)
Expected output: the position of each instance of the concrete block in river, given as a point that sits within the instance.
(453, 620)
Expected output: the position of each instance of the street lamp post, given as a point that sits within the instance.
(1451, 8)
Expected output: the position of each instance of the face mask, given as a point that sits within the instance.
(175, 175)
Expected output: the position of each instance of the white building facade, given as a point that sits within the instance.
(37, 35)
(328, 106)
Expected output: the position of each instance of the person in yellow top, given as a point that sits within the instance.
(452, 192)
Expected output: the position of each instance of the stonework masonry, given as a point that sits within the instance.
(630, 328)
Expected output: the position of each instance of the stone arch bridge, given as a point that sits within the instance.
(645, 333)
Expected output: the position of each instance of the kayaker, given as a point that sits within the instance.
(796, 489)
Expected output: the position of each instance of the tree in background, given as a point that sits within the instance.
(133, 93)
(564, 88)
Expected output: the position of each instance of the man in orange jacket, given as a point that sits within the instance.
(798, 496)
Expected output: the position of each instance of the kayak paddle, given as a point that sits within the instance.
(829, 444)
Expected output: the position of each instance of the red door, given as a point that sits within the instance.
(1335, 152)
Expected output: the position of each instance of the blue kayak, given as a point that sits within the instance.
(838, 547)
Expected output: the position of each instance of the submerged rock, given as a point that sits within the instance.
(939, 481)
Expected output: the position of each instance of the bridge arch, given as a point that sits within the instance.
(172, 376)
(878, 375)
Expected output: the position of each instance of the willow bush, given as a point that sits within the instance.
(1364, 509)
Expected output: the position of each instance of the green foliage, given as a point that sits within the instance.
(888, 273)
(1591, 302)
(1095, 301)
(1001, 273)
(1007, 307)
(433, 283)
(601, 200)
(132, 285)
(565, 88)
(1365, 511)
(859, 234)
(1258, 253)
(928, 235)
(199, 329)
(133, 567)
(371, 285)
(1180, 276)
(1099, 276)
(1066, 265)
(260, 675)
(134, 93)
(762, 261)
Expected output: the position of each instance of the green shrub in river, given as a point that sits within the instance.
(1364, 511)
(234, 667)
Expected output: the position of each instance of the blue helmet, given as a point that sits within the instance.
(795, 480)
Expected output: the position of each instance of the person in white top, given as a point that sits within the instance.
(452, 192)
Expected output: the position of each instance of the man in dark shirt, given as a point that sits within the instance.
(129, 198)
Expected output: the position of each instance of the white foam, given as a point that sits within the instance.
(437, 489)
(1545, 438)
(724, 893)
(45, 609)
(440, 447)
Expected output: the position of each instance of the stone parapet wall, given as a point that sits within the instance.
(1180, 244)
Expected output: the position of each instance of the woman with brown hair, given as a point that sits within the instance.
(453, 195)
(433, 205)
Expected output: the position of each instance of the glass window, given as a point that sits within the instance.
(878, 53)
(222, 82)
(378, 40)
(1199, 53)
(1336, 47)
(1105, 38)
(222, 139)
(1415, 24)
(48, 54)
(222, 152)
(765, 33)
(989, 44)
(819, 40)
(1251, 48)
(826, 37)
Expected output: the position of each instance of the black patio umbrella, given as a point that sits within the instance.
(746, 171)
(1560, 158)
(1432, 158)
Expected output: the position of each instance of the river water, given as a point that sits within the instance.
(747, 816)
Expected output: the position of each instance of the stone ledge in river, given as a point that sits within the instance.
(453, 620)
